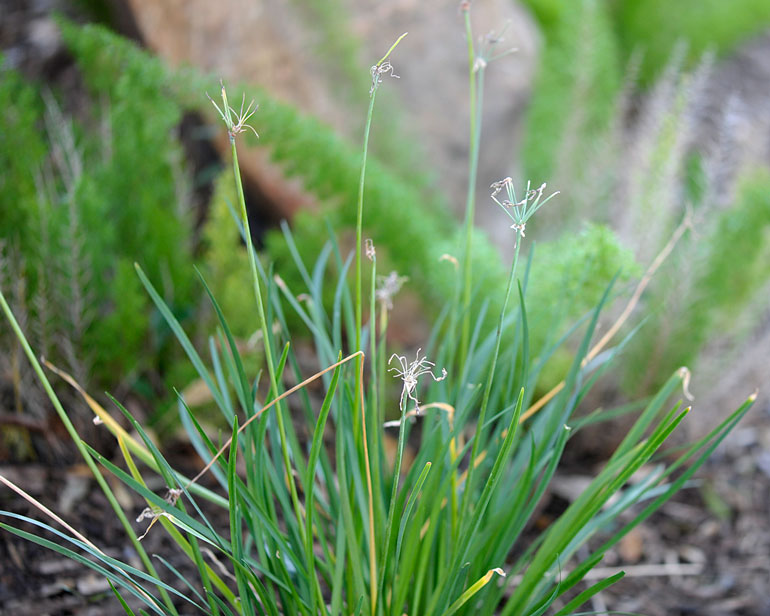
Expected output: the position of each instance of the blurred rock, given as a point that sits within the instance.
(738, 92)
(433, 65)
(273, 43)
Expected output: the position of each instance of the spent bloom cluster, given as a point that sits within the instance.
(520, 211)
(388, 286)
(485, 49)
(235, 120)
(154, 512)
(378, 70)
(410, 372)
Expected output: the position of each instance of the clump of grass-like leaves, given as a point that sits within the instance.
(333, 523)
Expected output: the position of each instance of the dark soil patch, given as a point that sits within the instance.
(37, 581)
(705, 553)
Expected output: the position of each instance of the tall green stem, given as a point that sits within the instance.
(393, 492)
(266, 340)
(360, 222)
(375, 399)
(476, 91)
(487, 390)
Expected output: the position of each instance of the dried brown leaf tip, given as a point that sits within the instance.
(451, 259)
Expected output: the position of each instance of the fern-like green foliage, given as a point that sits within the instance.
(80, 202)
(574, 96)
(22, 152)
(573, 268)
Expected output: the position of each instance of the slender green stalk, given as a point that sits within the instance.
(394, 491)
(233, 129)
(359, 239)
(476, 90)
(266, 337)
(82, 449)
(361, 182)
(375, 400)
(376, 80)
(360, 221)
(487, 390)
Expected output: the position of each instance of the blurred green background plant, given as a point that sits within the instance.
(84, 193)
(75, 218)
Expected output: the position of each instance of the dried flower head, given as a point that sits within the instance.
(388, 286)
(378, 70)
(485, 50)
(369, 250)
(499, 185)
(154, 513)
(410, 372)
(235, 120)
(520, 211)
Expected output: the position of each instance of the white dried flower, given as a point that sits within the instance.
(520, 211)
(410, 372)
(378, 70)
(155, 512)
(388, 286)
(235, 120)
(369, 249)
